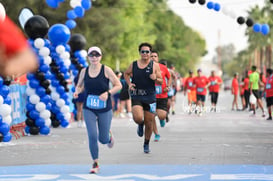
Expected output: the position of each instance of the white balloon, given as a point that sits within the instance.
(2, 13)
(67, 62)
(5, 110)
(48, 122)
(1, 100)
(83, 53)
(65, 109)
(60, 102)
(44, 51)
(65, 55)
(30, 91)
(40, 106)
(60, 49)
(75, 3)
(47, 60)
(55, 96)
(7, 119)
(39, 43)
(45, 114)
(67, 116)
(34, 99)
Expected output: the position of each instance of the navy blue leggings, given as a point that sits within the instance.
(98, 127)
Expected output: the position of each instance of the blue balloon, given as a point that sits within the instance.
(4, 91)
(1, 81)
(52, 3)
(59, 34)
(30, 106)
(64, 96)
(48, 106)
(60, 89)
(86, 4)
(265, 29)
(1, 119)
(63, 69)
(40, 122)
(45, 130)
(44, 68)
(34, 114)
(55, 109)
(7, 137)
(256, 27)
(75, 72)
(217, 7)
(30, 76)
(71, 14)
(4, 128)
(34, 83)
(79, 11)
(7, 100)
(46, 99)
(64, 123)
(41, 91)
(71, 24)
(210, 5)
(27, 129)
(55, 83)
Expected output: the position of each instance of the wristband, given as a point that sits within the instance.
(109, 94)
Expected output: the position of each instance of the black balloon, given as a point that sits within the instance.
(40, 76)
(7, 81)
(48, 91)
(60, 76)
(30, 122)
(45, 84)
(36, 27)
(249, 22)
(34, 130)
(241, 20)
(1, 137)
(192, 1)
(55, 123)
(77, 42)
(202, 2)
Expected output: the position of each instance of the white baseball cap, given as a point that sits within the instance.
(94, 49)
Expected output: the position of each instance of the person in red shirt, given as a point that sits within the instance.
(214, 88)
(161, 94)
(246, 91)
(201, 83)
(190, 89)
(235, 91)
(16, 56)
(269, 92)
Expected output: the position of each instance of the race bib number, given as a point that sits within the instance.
(268, 86)
(190, 84)
(171, 92)
(213, 83)
(158, 89)
(153, 107)
(93, 102)
(200, 89)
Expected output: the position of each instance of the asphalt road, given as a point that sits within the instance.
(224, 138)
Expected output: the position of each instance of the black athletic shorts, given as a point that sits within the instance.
(151, 107)
(161, 103)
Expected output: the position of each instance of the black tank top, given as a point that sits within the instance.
(96, 86)
(145, 86)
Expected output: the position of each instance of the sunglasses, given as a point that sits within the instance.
(145, 51)
(153, 56)
(94, 55)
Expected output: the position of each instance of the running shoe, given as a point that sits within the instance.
(95, 168)
(140, 129)
(263, 115)
(111, 142)
(79, 124)
(173, 112)
(157, 137)
(146, 148)
(162, 123)
(269, 119)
